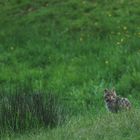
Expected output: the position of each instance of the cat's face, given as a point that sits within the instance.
(109, 95)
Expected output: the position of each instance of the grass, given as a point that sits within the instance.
(105, 126)
(72, 49)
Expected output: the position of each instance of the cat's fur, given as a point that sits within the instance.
(115, 103)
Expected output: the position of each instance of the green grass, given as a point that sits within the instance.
(72, 49)
(107, 126)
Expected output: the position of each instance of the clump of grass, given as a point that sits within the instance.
(102, 126)
(25, 110)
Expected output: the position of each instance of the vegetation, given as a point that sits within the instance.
(124, 126)
(66, 53)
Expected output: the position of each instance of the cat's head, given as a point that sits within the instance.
(109, 95)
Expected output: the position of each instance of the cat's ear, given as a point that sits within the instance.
(105, 91)
(113, 91)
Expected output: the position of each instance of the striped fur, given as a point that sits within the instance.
(115, 103)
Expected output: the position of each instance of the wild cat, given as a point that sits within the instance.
(115, 103)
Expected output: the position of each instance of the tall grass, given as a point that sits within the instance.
(24, 109)
(104, 126)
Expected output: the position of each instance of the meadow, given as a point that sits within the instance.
(56, 59)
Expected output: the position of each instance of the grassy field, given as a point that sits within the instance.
(57, 57)
(123, 126)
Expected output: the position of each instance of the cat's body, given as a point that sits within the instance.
(115, 103)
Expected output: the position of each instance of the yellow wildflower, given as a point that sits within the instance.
(118, 33)
(96, 23)
(125, 28)
(118, 43)
(81, 39)
(106, 62)
(12, 48)
(122, 40)
(109, 15)
(84, 2)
